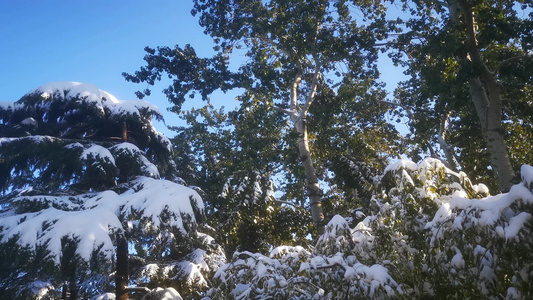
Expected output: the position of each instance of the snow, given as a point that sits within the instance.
(98, 151)
(192, 274)
(96, 218)
(29, 121)
(163, 294)
(241, 291)
(159, 196)
(457, 259)
(402, 163)
(106, 296)
(527, 175)
(148, 168)
(515, 224)
(67, 90)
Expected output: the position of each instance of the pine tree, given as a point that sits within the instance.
(89, 202)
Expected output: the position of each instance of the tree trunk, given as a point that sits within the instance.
(491, 126)
(299, 120)
(121, 277)
(313, 189)
(485, 92)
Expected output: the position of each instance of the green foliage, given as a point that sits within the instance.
(442, 241)
(433, 47)
(80, 169)
(229, 150)
(432, 233)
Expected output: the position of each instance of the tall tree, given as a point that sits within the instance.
(467, 60)
(294, 51)
(81, 175)
(235, 157)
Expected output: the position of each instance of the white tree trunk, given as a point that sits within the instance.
(298, 117)
(313, 189)
(485, 92)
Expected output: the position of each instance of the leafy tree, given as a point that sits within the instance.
(234, 156)
(295, 52)
(84, 201)
(468, 87)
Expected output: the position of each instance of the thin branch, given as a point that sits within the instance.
(447, 148)
(510, 60)
(286, 202)
(288, 112)
(314, 86)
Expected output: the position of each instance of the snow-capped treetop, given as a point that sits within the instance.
(80, 126)
(82, 172)
(69, 90)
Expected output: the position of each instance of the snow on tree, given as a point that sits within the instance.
(430, 233)
(81, 172)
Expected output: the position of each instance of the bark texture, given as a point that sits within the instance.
(298, 118)
(485, 92)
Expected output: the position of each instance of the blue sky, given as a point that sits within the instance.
(90, 42)
(94, 41)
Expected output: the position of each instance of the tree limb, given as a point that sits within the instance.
(314, 86)
(294, 92)
(510, 60)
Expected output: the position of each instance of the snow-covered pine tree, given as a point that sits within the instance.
(82, 173)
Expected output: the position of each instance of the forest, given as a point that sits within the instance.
(318, 185)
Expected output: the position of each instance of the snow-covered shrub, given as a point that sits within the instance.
(432, 233)
(328, 272)
(443, 236)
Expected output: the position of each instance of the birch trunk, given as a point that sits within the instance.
(313, 189)
(485, 92)
(298, 118)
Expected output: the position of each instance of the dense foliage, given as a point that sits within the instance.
(82, 171)
(431, 233)
(298, 183)
(469, 76)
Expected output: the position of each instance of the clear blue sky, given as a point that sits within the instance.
(94, 41)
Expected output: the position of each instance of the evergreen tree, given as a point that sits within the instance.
(89, 201)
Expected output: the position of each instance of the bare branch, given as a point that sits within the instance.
(290, 113)
(285, 202)
(447, 148)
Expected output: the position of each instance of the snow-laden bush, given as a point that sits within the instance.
(328, 272)
(431, 233)
(443, 236)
